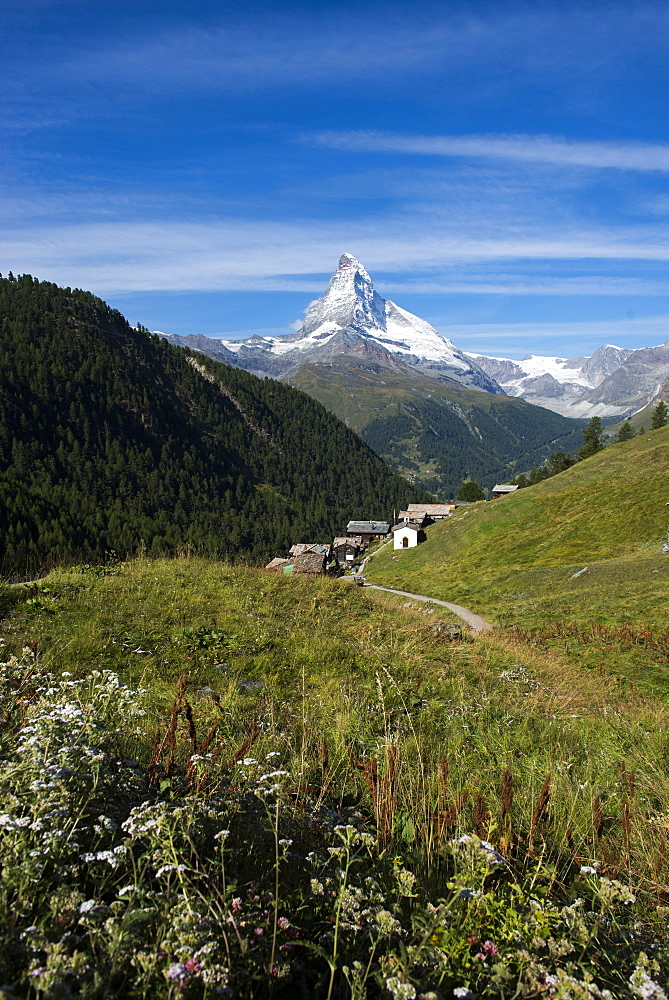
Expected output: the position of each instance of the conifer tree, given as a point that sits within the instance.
(470, 492)
(659, 418)
(592, 438)
(625, 432)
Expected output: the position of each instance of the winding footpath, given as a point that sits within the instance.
(475, 622)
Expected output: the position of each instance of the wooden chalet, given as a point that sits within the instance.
(367, 531)
(502, 490)
(346, 550)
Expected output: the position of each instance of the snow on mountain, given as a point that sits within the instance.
(615, 381)
(349, 300)
(555, 383)
(352, 318)
(641, 379)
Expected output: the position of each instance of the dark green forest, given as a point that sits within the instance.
(484, 444)
(110, 439)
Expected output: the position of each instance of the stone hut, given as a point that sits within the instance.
(310, 563)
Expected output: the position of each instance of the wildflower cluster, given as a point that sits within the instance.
(117, 884)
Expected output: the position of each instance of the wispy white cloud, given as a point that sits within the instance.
(294, 256)
(521, 148)
(233, 48)
(237, 50)
(658, 326)
(528, 286)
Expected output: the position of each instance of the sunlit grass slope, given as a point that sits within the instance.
(318, 786)
(329, 677)
(514, 559)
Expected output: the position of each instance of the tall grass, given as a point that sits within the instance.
(280, 709)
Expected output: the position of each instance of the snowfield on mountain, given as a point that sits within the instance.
(615, 381)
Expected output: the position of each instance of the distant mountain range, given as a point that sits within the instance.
(614, 382)
(352, 320)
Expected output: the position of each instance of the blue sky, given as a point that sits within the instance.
(501, 169)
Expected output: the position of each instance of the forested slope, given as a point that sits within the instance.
(110, 437)
(437, 430)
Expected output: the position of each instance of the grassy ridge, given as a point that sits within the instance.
(514, 559)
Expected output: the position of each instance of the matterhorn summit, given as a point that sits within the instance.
(352, 319)
(350, 300)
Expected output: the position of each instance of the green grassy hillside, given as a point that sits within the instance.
(436, 430)
(514, 559)
(218, 781)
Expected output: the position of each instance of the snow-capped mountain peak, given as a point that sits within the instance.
(350, 299)
(352, 318)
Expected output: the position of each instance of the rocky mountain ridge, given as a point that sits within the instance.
(614, 382)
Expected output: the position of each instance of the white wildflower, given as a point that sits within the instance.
(400, 990)
(170, 868)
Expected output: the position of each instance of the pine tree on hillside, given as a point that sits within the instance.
(559, 462)
(625, 432)
(470, 492)
(659, 418)
(592, 438)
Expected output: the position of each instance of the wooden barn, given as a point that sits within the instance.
(502, 490)
(346, 550)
